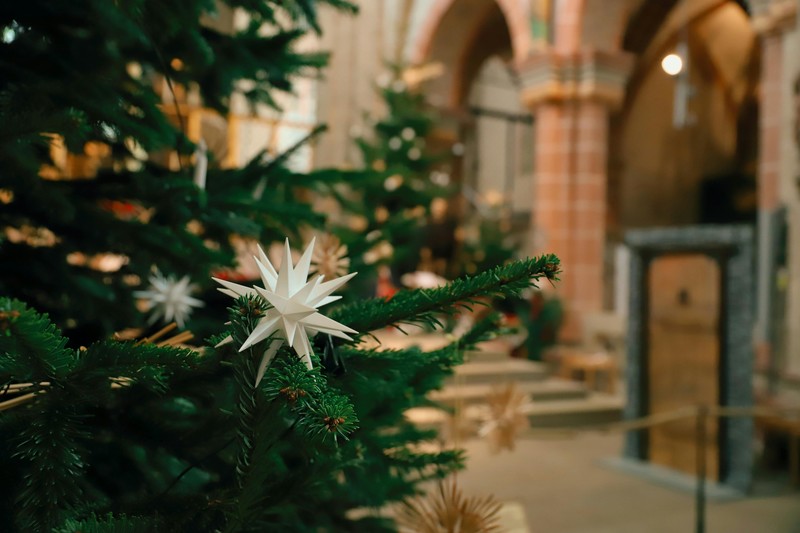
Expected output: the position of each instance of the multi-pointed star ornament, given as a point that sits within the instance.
(330, 257)
(448, 509)
(169, 298)
(507, 417)
(293, 303)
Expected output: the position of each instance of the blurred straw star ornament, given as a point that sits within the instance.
(330, 257)
(293, 302)
(506, 417)
(447, 510)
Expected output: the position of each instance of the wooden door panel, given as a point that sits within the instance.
(684, 355)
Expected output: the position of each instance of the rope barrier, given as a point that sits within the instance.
(701, 413)
(787, 414)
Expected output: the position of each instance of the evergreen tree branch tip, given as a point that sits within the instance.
(422, 305)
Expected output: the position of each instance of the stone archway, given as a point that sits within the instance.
(464, 37)
(517, 14)
(609, 21)
(449, 36)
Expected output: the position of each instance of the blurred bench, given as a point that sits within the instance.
(593, 367)
(791, 430)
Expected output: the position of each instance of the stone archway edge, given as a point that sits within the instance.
(517, 14)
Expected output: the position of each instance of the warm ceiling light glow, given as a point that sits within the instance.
(672, 64)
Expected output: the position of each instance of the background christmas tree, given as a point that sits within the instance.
(133, 436)
(393, 197)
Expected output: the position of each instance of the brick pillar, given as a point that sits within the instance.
(769, 128)
(571, 96)
(589, 208)
(551, 187)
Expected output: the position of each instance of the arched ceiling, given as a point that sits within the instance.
(719, 34)
(469, 32)
(491, 39)
(647, 18)
(644, 24)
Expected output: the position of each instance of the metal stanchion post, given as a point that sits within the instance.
(700, 494)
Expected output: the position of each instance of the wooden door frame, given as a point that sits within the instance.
(731, 247)
(720, 254)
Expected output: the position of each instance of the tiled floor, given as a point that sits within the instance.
(564, 486)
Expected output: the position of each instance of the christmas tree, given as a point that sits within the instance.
(90, 205)
(283, 420)
(398, 195)
(248, 436)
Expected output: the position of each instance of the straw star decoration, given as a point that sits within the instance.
(448, 510)
(293, 302)
(330, 257)
(507, 417)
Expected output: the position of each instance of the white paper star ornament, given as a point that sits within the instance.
(169, 299)
(293, 303)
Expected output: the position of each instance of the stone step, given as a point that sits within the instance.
(499, 371)
(512, 519)
(573, 413)
(596, 408)
(548, 390)
(426, 417)
(485, 356)
(389, 339)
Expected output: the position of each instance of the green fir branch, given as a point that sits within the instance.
(487, 328)
(256, 484)
(48, 446)
(48, 442)
(126, 364)
(54, 425)
(422, 305)
(292, 404)
(245, 315)
(32, 347)
(110, 524)
(308, 9)
(244, 371)
(331, 417)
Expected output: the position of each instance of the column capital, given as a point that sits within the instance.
(775, 18)
(549, 76)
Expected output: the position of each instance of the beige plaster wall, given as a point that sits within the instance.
(359, 46)
(660, 165)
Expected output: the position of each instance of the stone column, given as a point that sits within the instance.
(571, 97)
(772, 19)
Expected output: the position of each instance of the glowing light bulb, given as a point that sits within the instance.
(672, 64)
